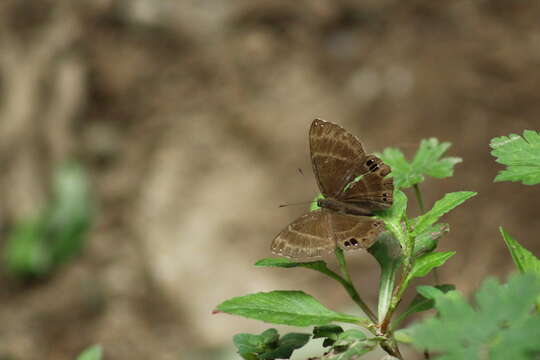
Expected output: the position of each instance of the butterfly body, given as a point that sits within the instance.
(353, 185)
(343, 207)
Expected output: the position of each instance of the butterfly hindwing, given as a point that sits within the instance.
(373, 191)
(307, 237)
(354, 232)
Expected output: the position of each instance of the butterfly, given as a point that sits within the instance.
(353, 185)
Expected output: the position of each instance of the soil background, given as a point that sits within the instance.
(191, 118)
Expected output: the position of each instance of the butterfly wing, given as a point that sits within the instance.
(335, 155)
(354, 232)
(373, 191)
(308, 236)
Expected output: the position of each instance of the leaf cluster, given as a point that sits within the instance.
(269, 345)
(501, 326)
(504, 322)
(38, 245)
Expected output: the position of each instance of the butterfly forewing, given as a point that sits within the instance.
(335, 156)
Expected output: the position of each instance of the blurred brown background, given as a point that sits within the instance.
(191, 118)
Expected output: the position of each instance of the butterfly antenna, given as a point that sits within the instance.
(300, 171)
(300, 203)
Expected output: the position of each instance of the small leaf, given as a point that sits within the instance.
(92, 353)
(294, 308)
(318, 265)
(350, 345)
(428, 158)
(286, 345)
(427, 161)
(423, 301)
(249, 346)
(521, 155)
(393, 216)
(328, 332)
(268, 345)
(427, 241)
(427, 262)
(396, 212)
(525, 261)
(441, 207)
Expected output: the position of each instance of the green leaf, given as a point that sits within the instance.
(427, 241)
(318, 265)
(388, 253)
(92, 353)
(392, 217)
(286, 345)
(521, 155)
(350, 345)
(294, 308)
(441, 207)
(427, 161)
(425, 263)
(38, 245)
(525, 261)
(26, 252)
(250, 346)
(70, 213)
(268, 345)
(328, 332)
(500, 327)
(423, 301)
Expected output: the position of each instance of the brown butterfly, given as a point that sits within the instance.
(353, 184)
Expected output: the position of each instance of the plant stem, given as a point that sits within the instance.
(419, 197)
(349, 286)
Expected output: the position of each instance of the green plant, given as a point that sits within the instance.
(504, 324)
(94, 352)
(38, 245)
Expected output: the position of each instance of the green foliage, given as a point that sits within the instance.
(294, 308)
(37, 246)
(388, 253)
(92, 353)
(394, 216)
(441, 207)
(427, 161)
(427, 241)
(350, 345)
(500, 326)
(427, 262)
(286, 263)
(423, 301)
(329, 333)
(502, 317)
(525, 261)
(521, 155)
(269, 345)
